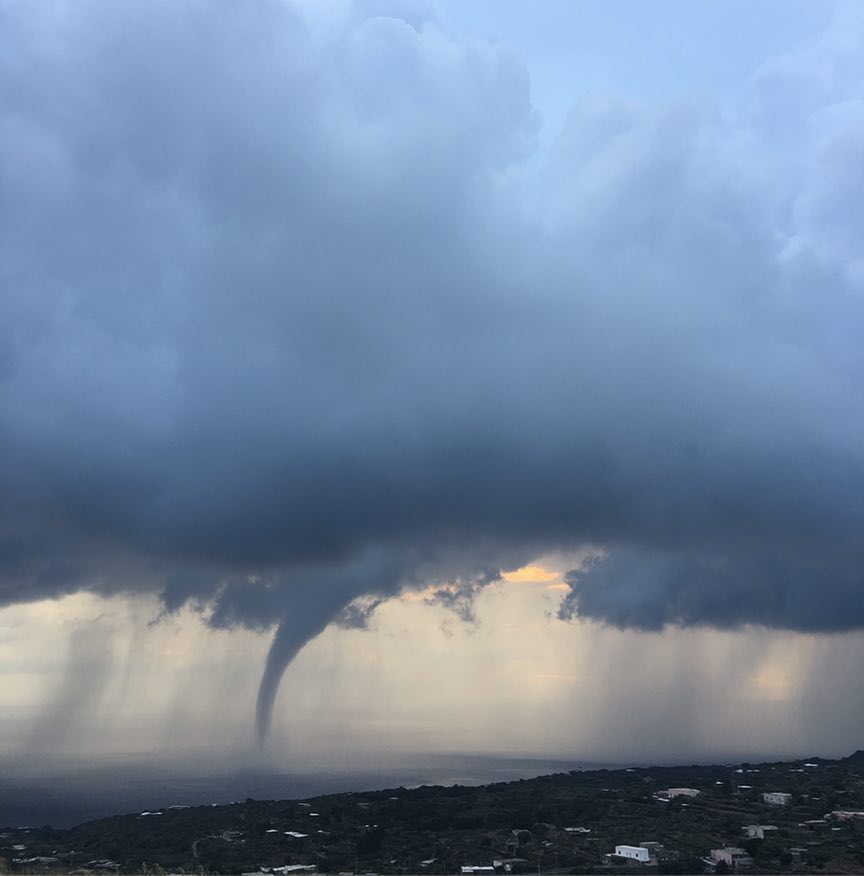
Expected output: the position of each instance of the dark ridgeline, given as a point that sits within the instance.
(568, 822)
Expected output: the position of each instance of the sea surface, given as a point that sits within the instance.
(66, 797)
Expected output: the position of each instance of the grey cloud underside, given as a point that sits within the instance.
(291, 320)
(633, 588)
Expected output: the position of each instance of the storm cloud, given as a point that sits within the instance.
(297, 316)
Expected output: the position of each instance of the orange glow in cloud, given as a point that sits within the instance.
(530, 575)
(416, 595)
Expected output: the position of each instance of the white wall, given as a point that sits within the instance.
(636, 853)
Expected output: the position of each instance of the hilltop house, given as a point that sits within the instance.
(511, 865)
(681, 792)
(845, 814)
(734, 858)
(633, 853)
(757, 831)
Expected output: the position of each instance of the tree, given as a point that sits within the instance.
(752, 847)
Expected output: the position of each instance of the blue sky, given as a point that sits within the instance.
(651, 52)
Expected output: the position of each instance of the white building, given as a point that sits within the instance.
(633, 853)
(757, 831)
(777, 798)
(736, 859)
(846, 814)
(508, 864)
(682, 792)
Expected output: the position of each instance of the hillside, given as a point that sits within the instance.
(563, 823)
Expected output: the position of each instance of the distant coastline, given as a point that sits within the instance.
(66, 798)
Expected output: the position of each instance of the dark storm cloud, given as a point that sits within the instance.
(635, 588)
(287, 322)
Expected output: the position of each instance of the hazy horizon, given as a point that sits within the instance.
(70, 794)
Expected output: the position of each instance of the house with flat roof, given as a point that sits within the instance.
(733, 857)
(633, 853)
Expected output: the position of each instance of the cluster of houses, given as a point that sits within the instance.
(733, 857)
(645, 853)
(655, 853)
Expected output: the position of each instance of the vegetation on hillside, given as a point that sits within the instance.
(564, 823)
